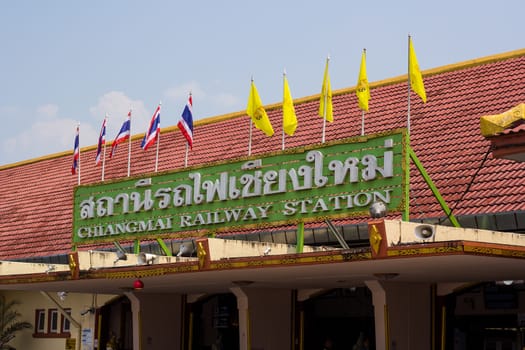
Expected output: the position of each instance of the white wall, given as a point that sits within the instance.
(30, 301)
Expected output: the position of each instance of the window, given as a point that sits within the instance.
(40, 321)
(66, 325)
(53, 321)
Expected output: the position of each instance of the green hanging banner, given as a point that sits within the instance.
(331, 180)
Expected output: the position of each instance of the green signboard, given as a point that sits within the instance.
(331, 180)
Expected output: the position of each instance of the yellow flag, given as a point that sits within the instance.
(325, 103)
(256, 111)
(289, 117)
(363, 89)
(416, 80)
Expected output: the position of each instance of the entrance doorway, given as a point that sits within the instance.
(341, 315)
(488, 316)
(115, 327)
(215, 323)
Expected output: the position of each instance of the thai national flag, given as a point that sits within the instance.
(186, 122)
(153, 131)
(101, 142)
(76, 153)
(123, 135)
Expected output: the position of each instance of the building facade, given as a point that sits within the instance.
(275, 249)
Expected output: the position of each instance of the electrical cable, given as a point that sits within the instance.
(469, 184)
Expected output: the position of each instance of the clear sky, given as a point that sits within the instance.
(64, 62)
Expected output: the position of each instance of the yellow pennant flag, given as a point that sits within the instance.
(256, 111)
(289, 117)
(416, 80)
(325, 103)
(363, 89)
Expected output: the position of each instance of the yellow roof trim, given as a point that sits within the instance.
(492, 125)
(380, 83)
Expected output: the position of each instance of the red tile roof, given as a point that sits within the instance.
(520, 127)
(37, 195)
(510, 143)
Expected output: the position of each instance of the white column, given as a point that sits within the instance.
(244, 318)
(380, 317)
(135, 312)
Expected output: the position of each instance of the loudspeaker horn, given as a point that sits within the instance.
(145, 258)
(424, 231)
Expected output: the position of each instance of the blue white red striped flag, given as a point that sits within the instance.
(101, 142)
(185, 124)
(76, 153)
(123, 135)
(153, 130)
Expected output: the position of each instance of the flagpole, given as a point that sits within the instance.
(158, 145)
(251, 124)
(104, 151)
(187, 144)
(324, 117)
(363, 111)
(186, 156)
(250, 139)
(129, 144)
(78, 125)
(362, 122)
(408, 109)
(406, 212)
(157, 153)
(284, 77)
(324, 105)
(324, 120)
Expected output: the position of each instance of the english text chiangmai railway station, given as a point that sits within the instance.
(400, 224)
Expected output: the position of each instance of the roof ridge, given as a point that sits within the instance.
(219, 118)
(385, 82)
